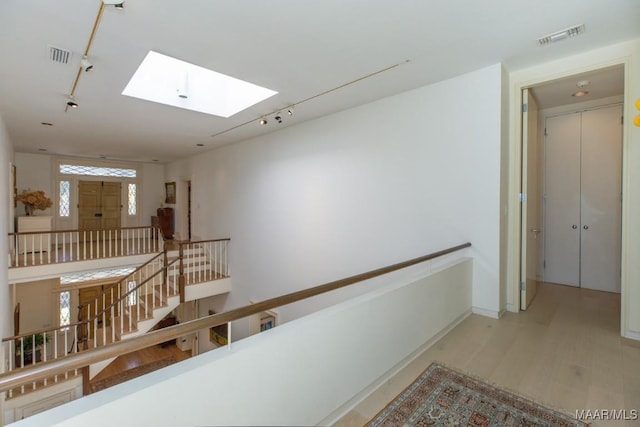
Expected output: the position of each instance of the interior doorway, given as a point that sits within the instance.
(557, 97)
(99, 205)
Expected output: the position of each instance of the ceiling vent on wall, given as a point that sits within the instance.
(561, 35)
(59, 55)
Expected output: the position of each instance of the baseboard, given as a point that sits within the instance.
(358, 398)
(632, 335)
(487, 313)
(512, 308)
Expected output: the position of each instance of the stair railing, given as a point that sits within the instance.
(118, 308)
(54, 343)
(60, 246)
(202, 261)
(38, 372)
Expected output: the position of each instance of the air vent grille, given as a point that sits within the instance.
(59, 55)
(561, 35)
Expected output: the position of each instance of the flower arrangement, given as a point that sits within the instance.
(34, 200)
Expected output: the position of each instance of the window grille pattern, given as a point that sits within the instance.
(96, 274)
(132, 199)
(132, 297)
(65, 308)
(64, 207)
(97, 171)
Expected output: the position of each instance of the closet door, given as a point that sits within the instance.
(562, 199)
(601, 203)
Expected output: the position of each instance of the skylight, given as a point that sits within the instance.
(170, 81)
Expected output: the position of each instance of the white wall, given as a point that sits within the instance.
(34, 173)
(307, 372)
(6, 158)
(152, 192)
(357, 190)
(6, 193)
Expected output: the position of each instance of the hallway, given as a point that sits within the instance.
(564, 352)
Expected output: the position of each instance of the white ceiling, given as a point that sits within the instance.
(297, 47)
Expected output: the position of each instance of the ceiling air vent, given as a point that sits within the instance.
(561, 35)
(59, 55)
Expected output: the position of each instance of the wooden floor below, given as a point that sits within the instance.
(140, 358)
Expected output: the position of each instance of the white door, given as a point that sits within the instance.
(601, 198)
(562, 199)
(583, 167)
(531, 218)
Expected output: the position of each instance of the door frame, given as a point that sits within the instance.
(619, 55)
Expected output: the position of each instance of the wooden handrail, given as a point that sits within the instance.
(193, 242)
(79, 360)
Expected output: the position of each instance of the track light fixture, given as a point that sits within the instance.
(263, 121)
(86, 65)
(118, 4)
(278, 117)
(290, 110)
(71, 103)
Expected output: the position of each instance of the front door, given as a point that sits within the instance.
(99, 205)
(95, 302)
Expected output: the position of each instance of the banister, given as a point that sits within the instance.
(79, 360)
(77, 230)
(91, 319)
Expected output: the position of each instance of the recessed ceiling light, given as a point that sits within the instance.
(561, 35)
(159, 77)
(580, 93)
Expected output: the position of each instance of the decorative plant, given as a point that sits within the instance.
(34, 200)
(29, 340)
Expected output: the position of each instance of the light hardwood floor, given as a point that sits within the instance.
(565, 352)
(141, 357)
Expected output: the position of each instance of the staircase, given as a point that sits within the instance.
(136, 303)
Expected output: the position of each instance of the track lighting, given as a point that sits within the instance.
(71, 103)
(118, 4)
(183, 91)
(86, 65)
(278, 118)
(263, 121)
(290, 111)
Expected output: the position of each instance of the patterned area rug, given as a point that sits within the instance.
(130, 374)
(444, 397)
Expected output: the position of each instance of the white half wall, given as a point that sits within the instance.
(300, 373)
(357, 190)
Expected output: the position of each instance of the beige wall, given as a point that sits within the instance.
(37, 304)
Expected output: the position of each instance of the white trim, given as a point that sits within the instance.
(487, 313)
(632, 335)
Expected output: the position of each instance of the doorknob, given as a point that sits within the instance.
(574, 226)
(586, 227)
